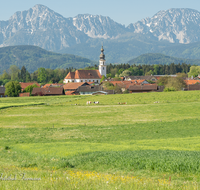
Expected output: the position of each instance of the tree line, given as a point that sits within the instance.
(43, 75)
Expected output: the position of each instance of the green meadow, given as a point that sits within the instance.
(127, 141)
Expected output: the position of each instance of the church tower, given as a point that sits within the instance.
(102, 66)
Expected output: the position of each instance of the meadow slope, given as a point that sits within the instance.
(150, 142)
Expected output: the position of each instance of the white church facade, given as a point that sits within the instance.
(88, 75)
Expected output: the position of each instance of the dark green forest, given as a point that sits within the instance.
(158, 58)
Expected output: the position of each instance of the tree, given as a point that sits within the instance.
(156, 69)
(23, 74)
(194, 71)
(102, 78)
(30, 88)
(13, 89)
(163, 81)
(13, 71)
(126, 73)
(183, 75)
(176, 83)
(28, 76)
(42, 75)
(113, 72)
(5, 75)
(108, 86)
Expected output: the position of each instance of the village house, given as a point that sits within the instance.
(124, 85)
(89, 90)
(25, 84)
(24, 94)
(93, 90)
(143, 88)
(53, 85)
(49, 91)
(2, 91)
(72, 88)
(193, 86)
(131, 78)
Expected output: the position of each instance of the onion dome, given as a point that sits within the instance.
(102, 56)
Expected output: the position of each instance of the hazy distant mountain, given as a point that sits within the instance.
(84, 34)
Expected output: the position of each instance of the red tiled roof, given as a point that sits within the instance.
(158, 78)
(115, 82)
(25, 84)
(90, 82)
(138, 81)
(46, 85)
(48, 91)
(53, 84)
(73, 85)
(191, 81)
(84, 74)
(70, 75)
(25, 94)
(69, 92)
(143, 87)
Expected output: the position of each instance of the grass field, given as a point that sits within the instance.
(151, 142)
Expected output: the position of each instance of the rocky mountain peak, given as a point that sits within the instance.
(173, 25)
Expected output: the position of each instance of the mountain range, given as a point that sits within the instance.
(173, 32)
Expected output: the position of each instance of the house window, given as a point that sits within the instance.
(81, 80)
(93, 81)
(97, 80)
(103, 68)
(68, 81)
(89, 81)
(73, 81)
(85, 80)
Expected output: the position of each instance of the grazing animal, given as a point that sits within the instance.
(96, 102)
(88, 102)
(122, 103)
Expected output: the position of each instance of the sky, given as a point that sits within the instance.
(121, 11)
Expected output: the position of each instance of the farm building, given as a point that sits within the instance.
(143, 88)
(2, 91)
(25, 84)
(50, 91)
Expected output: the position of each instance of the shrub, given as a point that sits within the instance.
(169, 89)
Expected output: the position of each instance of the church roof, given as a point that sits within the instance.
(84, 74)
(70, 75)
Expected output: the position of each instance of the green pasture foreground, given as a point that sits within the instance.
(153, 139)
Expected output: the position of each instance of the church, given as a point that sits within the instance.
(88, 75)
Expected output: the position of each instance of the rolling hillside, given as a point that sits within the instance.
(33, 57)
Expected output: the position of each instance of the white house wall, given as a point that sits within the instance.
(81, 80)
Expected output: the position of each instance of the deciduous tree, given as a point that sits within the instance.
(13, 89)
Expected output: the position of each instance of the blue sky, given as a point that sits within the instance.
(121, 11)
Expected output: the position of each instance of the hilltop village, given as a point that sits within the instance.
(93, 82)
